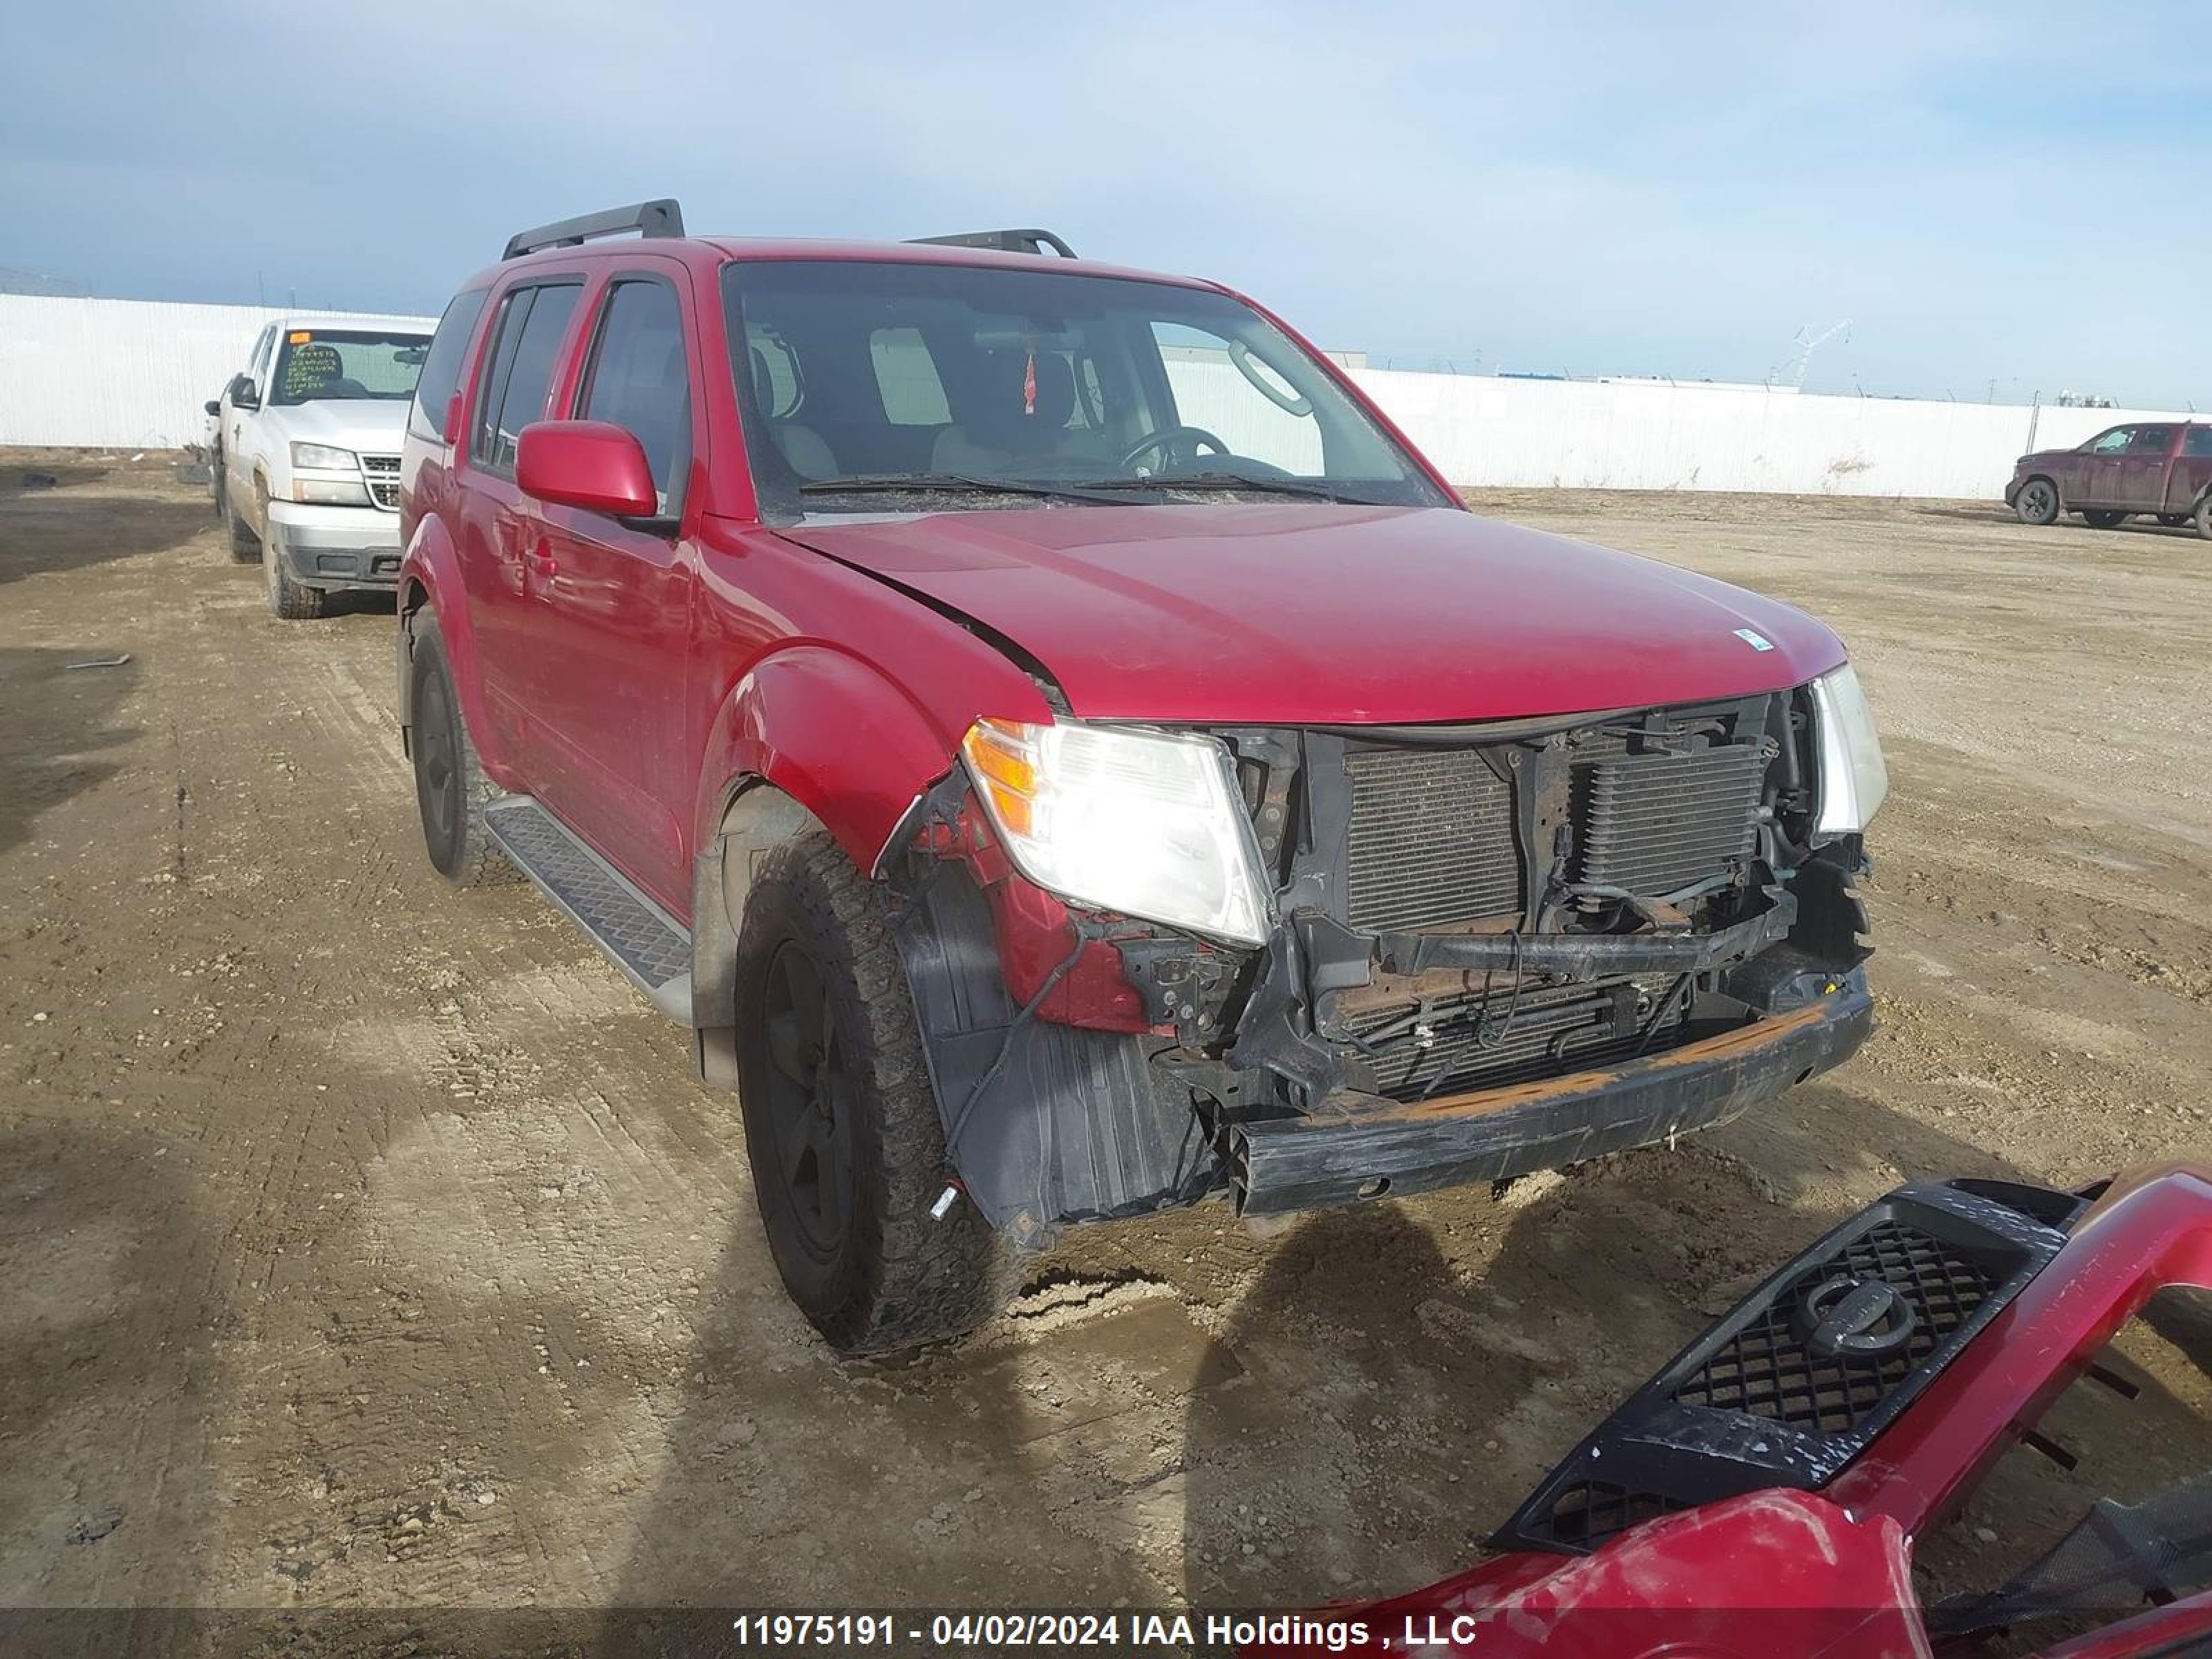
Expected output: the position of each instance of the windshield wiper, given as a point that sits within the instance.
(932, 483)
(1205, 481)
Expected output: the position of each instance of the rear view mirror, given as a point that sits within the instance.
(588, 464)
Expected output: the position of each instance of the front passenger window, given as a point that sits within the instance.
(640, 380)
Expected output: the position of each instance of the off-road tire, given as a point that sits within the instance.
(451, 789)
(2037, 503)
(2204, 518)
(245, 545)
(2102, 518)
(289, 597)
(894, 1276)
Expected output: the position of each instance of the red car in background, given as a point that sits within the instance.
(2162, 469)
(1062, 753)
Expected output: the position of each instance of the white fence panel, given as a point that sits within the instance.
(129, 373)
(120, 373)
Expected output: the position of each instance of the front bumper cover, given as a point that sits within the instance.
(1299, 1162)
(337, 547)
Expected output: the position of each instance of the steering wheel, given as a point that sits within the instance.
(1169, 439)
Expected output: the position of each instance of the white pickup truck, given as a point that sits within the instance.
(306, 459)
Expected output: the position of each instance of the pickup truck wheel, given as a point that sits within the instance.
(842, 1125)
(2037, 503)
(451, 788)
(245, 545)
(2174, 520)
(2103, 518)
(2204, 518)
(292, 600)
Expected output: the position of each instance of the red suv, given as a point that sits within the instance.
(1065, 755)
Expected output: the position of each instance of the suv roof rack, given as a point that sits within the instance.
(657, 218)
(1006, 241)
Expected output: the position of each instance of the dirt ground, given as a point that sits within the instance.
(365, 1242)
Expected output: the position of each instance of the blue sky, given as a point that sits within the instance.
(1996, 193)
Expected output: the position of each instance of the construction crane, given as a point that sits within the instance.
(1793, 374)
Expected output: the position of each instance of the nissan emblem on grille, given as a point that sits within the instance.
(1846, 1317)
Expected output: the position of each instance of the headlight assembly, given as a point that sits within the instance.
(323, 457)
(1148, 824)
(1853, 777)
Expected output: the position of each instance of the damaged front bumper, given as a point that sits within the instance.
(1334, 1156)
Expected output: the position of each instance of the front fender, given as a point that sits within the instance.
(831, 733)
(431, 580)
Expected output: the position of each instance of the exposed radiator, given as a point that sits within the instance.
(1656, 823)
(1430, 839)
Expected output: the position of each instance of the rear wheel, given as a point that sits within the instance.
(2037, 503)
(2174, 520)
(2102, 519)
(245, 545)
(842, 1125)
(289, 597)
(451, 789)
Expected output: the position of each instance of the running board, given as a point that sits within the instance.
(651, 947)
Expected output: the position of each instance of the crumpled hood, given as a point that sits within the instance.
(1315, 614)
(372, 425)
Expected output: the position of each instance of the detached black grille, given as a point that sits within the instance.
(1587, 1515)
(1552, 1031)
(1431, 840)
(1810, 1368)
(1656, 823)
(1768, 1371)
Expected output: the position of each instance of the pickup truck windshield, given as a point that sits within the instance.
(880, 386)
(319, 363)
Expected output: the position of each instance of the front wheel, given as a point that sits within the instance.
(841, 1125)
(2204, 518)
(2103, 518)
(289, 597)
(2037, 503)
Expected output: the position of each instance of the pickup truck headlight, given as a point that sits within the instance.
(1147, 823)
(322, 457)
(1854, 778)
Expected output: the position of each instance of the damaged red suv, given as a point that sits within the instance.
(1065, 755)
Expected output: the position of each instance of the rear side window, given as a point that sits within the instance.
(640, 380)
(441, 369)
(2198, 442)
(531, 324)
(2151, 440)
(907, 378)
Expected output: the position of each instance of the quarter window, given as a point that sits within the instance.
(441, 369)
(2198, 443)
(640, 379)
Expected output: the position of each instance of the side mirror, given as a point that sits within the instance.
(213, 405)
(588, 464)
(244, 394)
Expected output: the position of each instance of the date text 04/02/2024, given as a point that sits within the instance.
(1169, 1632)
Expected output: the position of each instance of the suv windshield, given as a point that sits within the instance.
(871, 386)
(318, 363)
